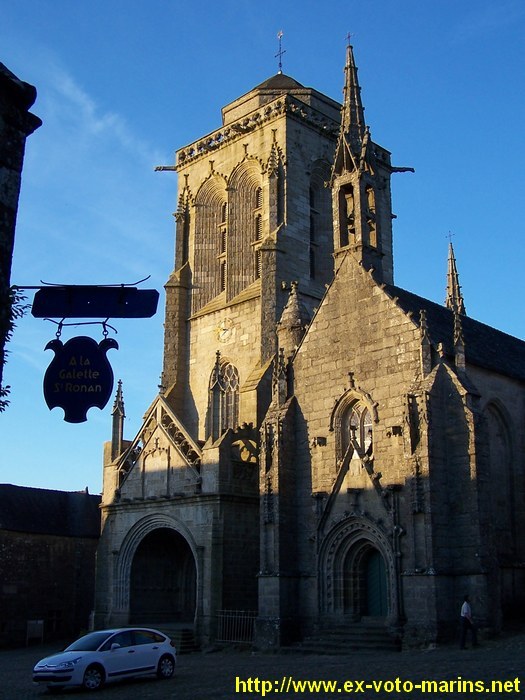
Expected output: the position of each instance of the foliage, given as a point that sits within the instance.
(16, 308)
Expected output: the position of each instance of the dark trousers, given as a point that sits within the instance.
(466, 625)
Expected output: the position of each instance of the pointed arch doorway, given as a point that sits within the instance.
(357, 575)
(365, 582)
(163, 580)
(376, 590)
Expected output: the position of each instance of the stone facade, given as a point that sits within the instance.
(16, 124)
(326, 449)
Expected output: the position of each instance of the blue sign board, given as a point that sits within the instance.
(90, 301)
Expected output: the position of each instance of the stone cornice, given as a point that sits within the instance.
(285, 104)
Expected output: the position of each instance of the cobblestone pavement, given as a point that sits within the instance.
(214, 675)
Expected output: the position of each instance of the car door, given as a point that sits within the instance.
(147, 649)
(119, 655)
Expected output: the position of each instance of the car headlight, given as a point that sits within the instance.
(70, 663)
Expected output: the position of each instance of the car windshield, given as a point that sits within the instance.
(90, 642)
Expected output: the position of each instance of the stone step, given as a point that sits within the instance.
(182, 637)
(344, 639)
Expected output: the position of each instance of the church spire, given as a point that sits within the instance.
(353, 116)
(360, 182)
(353, 135)
(454, 300)
(118, 415)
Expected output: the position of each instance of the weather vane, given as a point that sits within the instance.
(280, 52)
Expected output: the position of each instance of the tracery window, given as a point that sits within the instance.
(245, 226)
(210, 241)
(230, 397)
(356, 427)
(223, 407)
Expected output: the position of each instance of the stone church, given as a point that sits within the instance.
(326, 450)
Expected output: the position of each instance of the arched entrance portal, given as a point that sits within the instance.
(365, 583)
(163, 579)
(375, 572)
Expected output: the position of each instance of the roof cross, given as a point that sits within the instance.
(281, 51)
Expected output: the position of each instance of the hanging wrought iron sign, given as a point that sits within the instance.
(79, 376)
(88, 301)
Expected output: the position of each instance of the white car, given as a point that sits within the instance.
(106, 656)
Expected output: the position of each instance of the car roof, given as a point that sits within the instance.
(112, 630)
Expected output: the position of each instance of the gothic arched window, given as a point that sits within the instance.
(245, 226)
(210, 241)
(501, 496)
(223, 407)
(356, 428)
(230, 397)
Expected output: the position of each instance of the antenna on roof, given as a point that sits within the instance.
(280, 52)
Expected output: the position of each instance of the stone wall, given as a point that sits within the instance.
(49, 578)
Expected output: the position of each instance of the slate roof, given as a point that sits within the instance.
(484, 346)
(279, 81)
(46, 512)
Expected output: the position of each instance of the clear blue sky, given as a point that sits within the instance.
(123, 83)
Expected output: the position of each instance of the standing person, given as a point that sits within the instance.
(467, 624)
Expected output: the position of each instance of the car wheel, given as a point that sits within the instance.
(166, 667)
(93, 678)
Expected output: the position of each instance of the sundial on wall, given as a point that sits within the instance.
(225, 330)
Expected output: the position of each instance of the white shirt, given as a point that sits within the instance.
(466, 610)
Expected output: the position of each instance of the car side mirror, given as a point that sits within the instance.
(115, 646)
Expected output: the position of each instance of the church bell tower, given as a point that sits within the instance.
(253, 219)
(360, 181)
